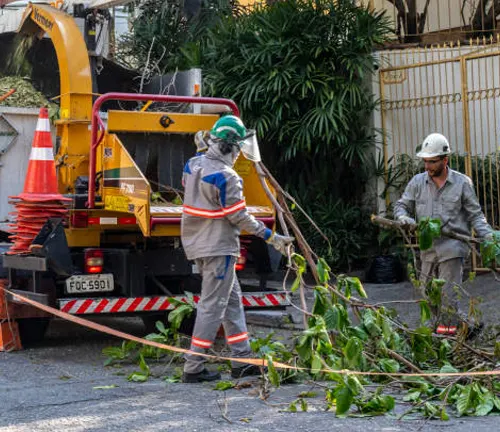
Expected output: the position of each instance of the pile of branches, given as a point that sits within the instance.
(343, 331)
(25, 95)
(362, 355)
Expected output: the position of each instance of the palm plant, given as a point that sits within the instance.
(300, 71)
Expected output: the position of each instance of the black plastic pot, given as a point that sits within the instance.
(385, 269)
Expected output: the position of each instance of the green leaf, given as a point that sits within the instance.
(273, 375)
(444, 349)
(178, 314)
(412, 396)
(431, 410)
(352, 351)
(307, 394)
(343, 400)
(320, 302)
(444, 415)
(428, 230)
(496, 351)
(355, 284)
(106, 387)
(425, 241)
(292, 407)
(296, 284)
(138, 377)
(425, 311)
(354, 385)
(486, 405)
(464, 400)
(369, 321)
(316, 364)
(490, 250)
(323, 270)
(496, 402)
(300, 262)
(387, 330)
(303, 405)
(304, 349)
(224, 385)
(389, 365)
(332, 318)
(378, 405)
(143, 365)
(448, 368)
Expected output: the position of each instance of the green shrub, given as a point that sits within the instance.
(300, 71)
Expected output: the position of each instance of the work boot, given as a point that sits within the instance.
(244, 371)
(204, 375)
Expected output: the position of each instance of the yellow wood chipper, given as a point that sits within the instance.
(119, 252)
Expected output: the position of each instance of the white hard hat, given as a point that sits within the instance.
(434, 145)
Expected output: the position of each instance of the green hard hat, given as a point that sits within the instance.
(229, 128)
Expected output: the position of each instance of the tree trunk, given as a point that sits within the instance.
(484, 19)
(410, 24)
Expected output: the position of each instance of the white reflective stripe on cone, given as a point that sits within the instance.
(42, 154)
(43, 125)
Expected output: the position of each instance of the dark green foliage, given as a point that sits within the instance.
(348, 228)
(300, 72)
(176, 39)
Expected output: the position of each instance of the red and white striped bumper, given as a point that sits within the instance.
(149, 304)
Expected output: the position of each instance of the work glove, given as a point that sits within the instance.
(406, 220)
(280, 242)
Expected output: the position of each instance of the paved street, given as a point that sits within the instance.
(53, 388)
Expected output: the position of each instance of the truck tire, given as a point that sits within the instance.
(32, 330)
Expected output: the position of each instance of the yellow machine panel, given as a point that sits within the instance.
(137, 121)
(124, 187)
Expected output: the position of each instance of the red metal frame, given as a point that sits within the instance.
(96, 121)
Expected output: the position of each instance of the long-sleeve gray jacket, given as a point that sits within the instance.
(214, 211)
(455, 204)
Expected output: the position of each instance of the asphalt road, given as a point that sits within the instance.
(52, 387)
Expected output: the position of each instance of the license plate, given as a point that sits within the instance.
(90, 283)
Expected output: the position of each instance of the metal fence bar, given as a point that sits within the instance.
(452, 89)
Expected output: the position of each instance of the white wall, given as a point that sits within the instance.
(441, 14)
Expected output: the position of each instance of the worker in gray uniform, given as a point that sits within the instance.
(448, 195)
(214, 214)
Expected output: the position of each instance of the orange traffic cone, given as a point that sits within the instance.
(9, 331)
(41, 180)
(40, 199)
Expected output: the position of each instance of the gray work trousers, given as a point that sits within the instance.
(451, 271)
(220, 303)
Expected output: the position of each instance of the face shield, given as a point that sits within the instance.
(201, 141)
(249, 146)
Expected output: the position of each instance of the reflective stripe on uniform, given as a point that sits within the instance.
(240, 337)
(201, 343)
(213, 214)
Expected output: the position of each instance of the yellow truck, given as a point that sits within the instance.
(120, 250)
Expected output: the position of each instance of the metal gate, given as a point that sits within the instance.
(456, 95)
